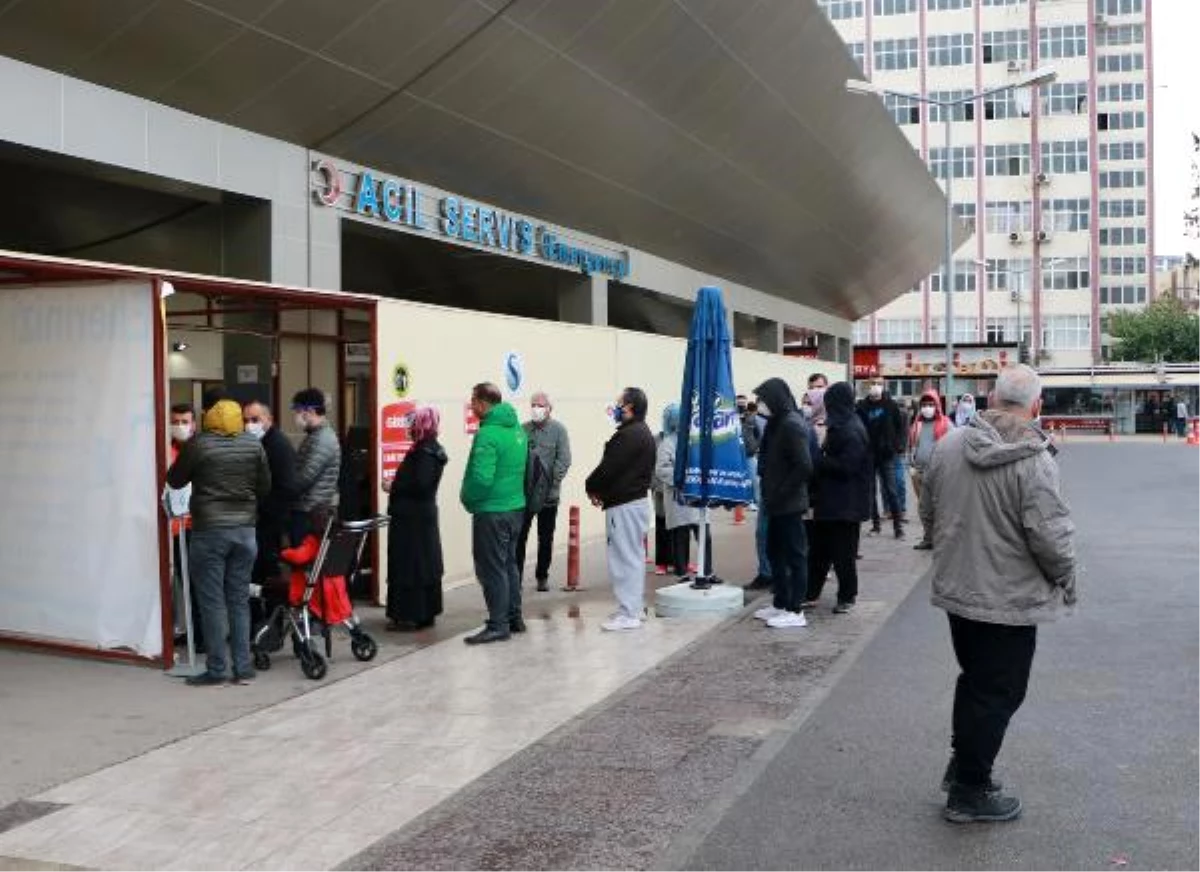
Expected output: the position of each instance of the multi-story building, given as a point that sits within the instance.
(1056, 183)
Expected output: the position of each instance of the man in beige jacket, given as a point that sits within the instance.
(1003, 562)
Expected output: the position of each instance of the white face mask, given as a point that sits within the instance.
(181, 432)
(256, 429)
(927, 412)
(763, 409)
(301, 422)
(806, 411)
(539, 413)
(875, 391)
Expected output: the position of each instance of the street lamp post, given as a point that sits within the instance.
(1041, 76)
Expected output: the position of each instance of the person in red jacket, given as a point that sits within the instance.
(928, 427)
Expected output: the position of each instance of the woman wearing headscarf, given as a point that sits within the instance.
(682, 521)
(414, 542)
(844, 478)
(964, 410)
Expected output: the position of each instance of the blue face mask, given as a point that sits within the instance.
(618, 415)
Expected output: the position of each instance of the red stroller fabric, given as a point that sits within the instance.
(330, 600)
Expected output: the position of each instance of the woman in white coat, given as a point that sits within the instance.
(683, 522)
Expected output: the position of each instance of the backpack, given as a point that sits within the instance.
(537, 481)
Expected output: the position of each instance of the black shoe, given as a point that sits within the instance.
(923, 545)
(761, 582)
(543, 584)
(485, 636)
(875, 530)
(966, 805)
(843, 608)
(206, 679)
(517, 625)
(898, 531)
(951, 775)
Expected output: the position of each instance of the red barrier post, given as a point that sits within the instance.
(739, 514)
(1112, 436)
(573, 551)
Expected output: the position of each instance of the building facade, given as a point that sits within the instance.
(1056, 183)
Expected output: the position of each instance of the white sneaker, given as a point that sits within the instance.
(766, 614)
(621, 622)
(788, 619)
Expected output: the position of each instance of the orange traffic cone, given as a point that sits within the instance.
(739, 514)
(1194, 432)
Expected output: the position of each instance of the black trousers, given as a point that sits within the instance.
(681, 549)
(664, 545)
(494, 547)
(787, 549)
(547, 520)
(833, 543)
(995, 660)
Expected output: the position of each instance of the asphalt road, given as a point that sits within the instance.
(1103, 753)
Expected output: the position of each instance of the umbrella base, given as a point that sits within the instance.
(682, 600)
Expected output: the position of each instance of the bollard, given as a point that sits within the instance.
(1164, 433)
(1112, 437)
(1193, 429)
(739, 515)
(573, 551)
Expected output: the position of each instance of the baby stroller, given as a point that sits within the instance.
(317, 599)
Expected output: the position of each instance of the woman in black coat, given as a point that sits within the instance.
(414, 542)
(843, 479)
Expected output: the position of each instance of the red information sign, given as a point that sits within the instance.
(395, 438)
(470, 422)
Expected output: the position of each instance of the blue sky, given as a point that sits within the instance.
(1176, 35)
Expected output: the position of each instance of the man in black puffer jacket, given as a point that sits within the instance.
(785, 467)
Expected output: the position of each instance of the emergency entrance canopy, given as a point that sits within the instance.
(79, 556)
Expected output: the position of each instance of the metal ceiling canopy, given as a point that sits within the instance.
(712, 133)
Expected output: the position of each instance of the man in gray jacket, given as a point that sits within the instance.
(548, 440)
(318, 463)
(1003, 562)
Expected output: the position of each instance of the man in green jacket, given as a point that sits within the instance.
(493, 491)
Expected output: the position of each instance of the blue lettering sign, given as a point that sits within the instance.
(367, 201)
(524, 237)
(505, 228)
(487, 226)
(470, 221)
(393, 208)
(450, 216)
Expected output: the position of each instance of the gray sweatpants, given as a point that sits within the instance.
(626, 528)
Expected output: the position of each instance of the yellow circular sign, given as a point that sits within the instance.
(401, 379)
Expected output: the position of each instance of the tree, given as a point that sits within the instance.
(1164, 328)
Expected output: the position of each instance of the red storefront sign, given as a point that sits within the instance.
(866, 362)
(395, 419)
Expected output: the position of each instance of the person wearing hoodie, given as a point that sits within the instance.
(229, 475)
(785, 466)
(1003, 562)
(885, 427)
(843, 486)
(493, 492)
(619, 485)
(928, 428)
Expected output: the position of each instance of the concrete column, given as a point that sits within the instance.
(768, 335)
(584, 300)
(827, 346)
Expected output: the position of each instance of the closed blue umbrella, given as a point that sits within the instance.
(710, 459)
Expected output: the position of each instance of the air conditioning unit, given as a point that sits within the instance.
(1014, 66)
(1016, 237)
(1100, 21)
(1044, 236)
(1042, 179)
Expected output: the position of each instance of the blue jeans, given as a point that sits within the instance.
(901, 486)
(221, 561)
(760, 542)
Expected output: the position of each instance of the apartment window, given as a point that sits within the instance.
(902, 109)
(839, 10)
(1124, 295)
(1121, 34)
(895, 7)
(964, 111)
(858, 51)
(1007, 274)
(1064, 273)
(965, 212)
(1001, 2)
(1005, 105)
(1122, 235)
(1064, 98)
(961, 159)
(1121, 92)
(998, 46)
(1122, 208)
(1062, 41)
(1122, 266)
(1067, 332)
(1010, 159)
(862, 332)
(964, 277)
(896, 54)
(1008, 216)
(1120, 120)
(947, 5)
(1119, 7)
(1066, 216)
(1121, 63)
(1123, 179)
(951, 49)
(1005, 330)
(1117, 151)
(1067, 156)
(965, 330)
(898, 331)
